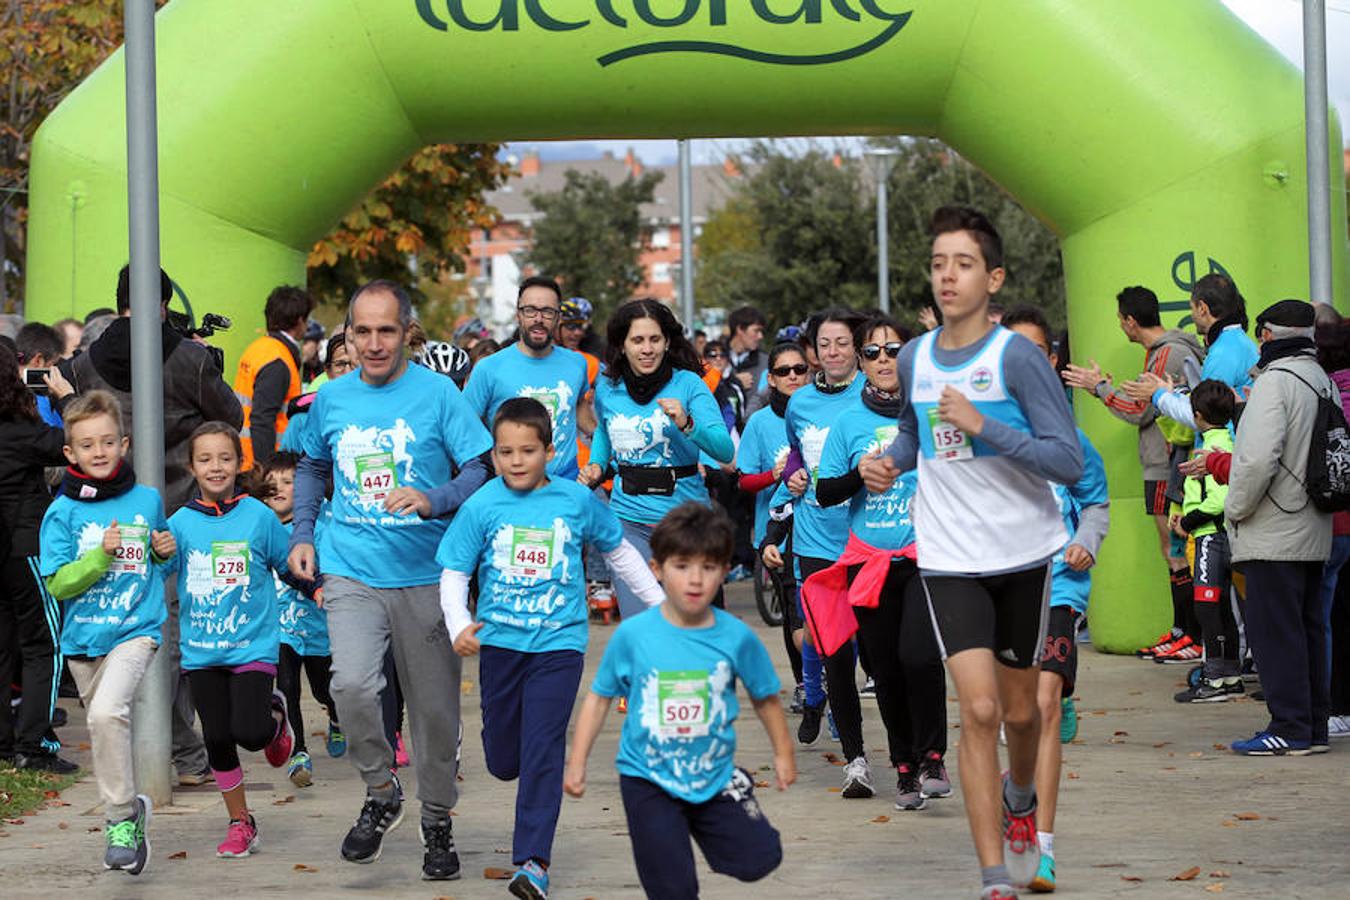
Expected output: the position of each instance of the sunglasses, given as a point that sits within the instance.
(871, 352)
(713, 354)
(785, 371)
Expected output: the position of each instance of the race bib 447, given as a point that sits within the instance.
(375, 476)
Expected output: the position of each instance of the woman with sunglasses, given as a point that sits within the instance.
(875, 576)
(762, 457)
(654, 416)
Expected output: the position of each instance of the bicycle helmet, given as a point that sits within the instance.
(445, 359)
(474, 328)
(788, 334)
(576, 309)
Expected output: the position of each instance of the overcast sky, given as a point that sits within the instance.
(1279, 21)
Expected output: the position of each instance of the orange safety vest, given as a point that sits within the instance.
(260, 353)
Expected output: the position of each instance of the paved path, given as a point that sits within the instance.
(1150, 792)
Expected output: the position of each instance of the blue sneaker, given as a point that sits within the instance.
(300, 770)
(530, 882)
(834, 731)
(1263, 743)
(337, 741)
(1044, 882)
(1068, 720)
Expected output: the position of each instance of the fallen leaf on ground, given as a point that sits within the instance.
(835, 790)
(494, 873)
(1122, 734)
(1229, 823)
(1220, 746)
(1161, 744)
(92, 828)
(832, 758)
(1188, 875)
(1169, 768)
(51, 795)
(13, 821)
(500, 850)
(1130, 878)
(1196, 755)
(1247, 817)
(882, 820)
(1219, 873)
(466, 687)
(1115, 865)
(301, 867)
(62, 825)
(181, 854)
(761, 784)
(1099, 712)
(289, 798)
(1215, 888)
(1073, 776)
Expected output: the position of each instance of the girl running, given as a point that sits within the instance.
(229, 546)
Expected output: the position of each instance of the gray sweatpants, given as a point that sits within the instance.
(362, 622)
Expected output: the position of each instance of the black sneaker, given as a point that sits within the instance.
(440, 862)
(45, 762)
(808, 732)
(366, 838)
(798, 700)
(1207, 691)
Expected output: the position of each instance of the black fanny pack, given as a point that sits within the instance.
(653, 481)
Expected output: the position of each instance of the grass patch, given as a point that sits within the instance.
(23, 791)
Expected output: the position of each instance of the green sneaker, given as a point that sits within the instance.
(128, 845)
(1068, 720)
(1044, 882)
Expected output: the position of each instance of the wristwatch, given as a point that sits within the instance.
(688, 426)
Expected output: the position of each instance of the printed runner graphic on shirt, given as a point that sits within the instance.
(633, 436)
(557, 400)
(813, 443)
(213, 578)
(683, 712)
(374, 461)
(883, 509)
(135, 537)
(523, 557)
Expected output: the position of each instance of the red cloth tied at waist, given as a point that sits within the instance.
(828, 598)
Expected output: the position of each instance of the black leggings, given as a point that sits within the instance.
(318, 669)
(236, 711)
(911, 686)
(841, 686)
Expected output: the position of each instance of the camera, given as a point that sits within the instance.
(33, 379)
(211, 323)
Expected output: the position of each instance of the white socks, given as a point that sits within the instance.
(1047, 841)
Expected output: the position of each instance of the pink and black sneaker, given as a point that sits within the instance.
(241, 840)
(278, 750)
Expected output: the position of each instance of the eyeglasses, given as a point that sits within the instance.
(871, 352)
(785, 371)
(547, 313)
(342, 365)
(574, 326)
(713, 354)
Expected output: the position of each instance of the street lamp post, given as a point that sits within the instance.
(1318, 152)
(880, 160)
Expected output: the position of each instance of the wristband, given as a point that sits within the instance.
(688, 427)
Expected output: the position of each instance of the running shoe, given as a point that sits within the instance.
(440, 862)
(1338, 726)
(1184, 652)
(1021, 850)
(530, 882)
(1207, 691)
(623, 706)
(192, 779)
(1319, 745)
(999, 892)
(365, 840)
(401, 758)
(933, 780)
(858, 779)
(738, 573)
(808, 732)
(1044, 882)
(834, 729)
(908, 795)
(869, 690)
(45, 761)
(1249, 672)
(1068, 720)
(337, 740)
(1161, 645)
(240, 840)
(798, 700)
(128, 844)
(1263, 743)
(300, 770)
(278, 750)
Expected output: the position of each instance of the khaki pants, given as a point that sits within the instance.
(107, 687)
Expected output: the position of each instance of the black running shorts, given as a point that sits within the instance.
(1155, 498)
(1003, 613)
(1059, 654)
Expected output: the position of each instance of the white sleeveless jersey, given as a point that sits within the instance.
(975, 510)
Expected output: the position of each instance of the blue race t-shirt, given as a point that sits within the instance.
(407, 433)
(1067, 587)
(128, 601)
(227, 601)
(681, 690)
(558, 381)
(643, 435)
(764, 445)
(817, 531)
(879, 520)
(526, 549)
(1230, 359)
(304, 624)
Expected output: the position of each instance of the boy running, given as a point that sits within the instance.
(678, 667)
(984, 418)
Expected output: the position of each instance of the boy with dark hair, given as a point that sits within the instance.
(522, 533)
(677, 666)
(985, 420)
(1200, 517)
(41, 347)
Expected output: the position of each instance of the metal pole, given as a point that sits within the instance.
(1319, 160)
(150, 716)
(883, 249)
(686, 237)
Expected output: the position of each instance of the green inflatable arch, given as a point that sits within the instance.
(1159, 139)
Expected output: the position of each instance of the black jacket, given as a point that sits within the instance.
(25, 448)
(194, 392)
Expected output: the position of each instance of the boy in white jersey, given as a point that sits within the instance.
(986, 422)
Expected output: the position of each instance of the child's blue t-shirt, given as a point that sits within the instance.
(128, 601)
(681, 690)
(227, 599)
(558, 381)
(764, 445)
(641, 434)
(407, 433)
(879, 520)
(1067, 587)
(526, 548)
(304, 624)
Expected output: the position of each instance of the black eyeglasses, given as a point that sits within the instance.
(713, 354)
(547, 313)
(872, 351)
(785, 371)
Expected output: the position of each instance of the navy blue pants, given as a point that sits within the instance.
(733, 834)
(1288, 637)
(527, 701)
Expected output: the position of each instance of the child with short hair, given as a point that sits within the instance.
(677, 666)
(523, 534)
(231, 544)
(1201, 518)
(304, 631)
(103, 540)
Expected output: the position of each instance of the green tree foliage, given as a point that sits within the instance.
(591, 235)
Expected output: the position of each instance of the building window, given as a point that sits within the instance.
(661, 238)
(661, 273)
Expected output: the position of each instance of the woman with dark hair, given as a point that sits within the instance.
(654, 415)
(1333, 353)
(30, 618)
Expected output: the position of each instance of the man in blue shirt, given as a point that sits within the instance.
(389, 436)
(535, 367)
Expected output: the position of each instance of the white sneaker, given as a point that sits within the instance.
(858, 779)
(1338, 726)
